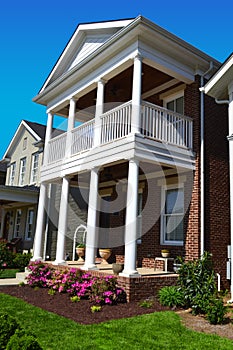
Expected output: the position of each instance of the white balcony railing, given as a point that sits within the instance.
(166, 126)
(82, 137)
(57, 148)
(157, 123)
(116, 123)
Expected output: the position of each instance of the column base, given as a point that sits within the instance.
(60, 262)
(130, 273)
(89, 267)
(36, 258)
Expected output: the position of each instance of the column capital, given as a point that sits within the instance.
(134, 161)
(138, 56)
(95, 169)
(73, 98)
(101, 81)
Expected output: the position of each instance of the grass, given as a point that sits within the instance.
(8, 273)
(161, 330)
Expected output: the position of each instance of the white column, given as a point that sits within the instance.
(136, 94)
(62, 223)
(230, 138)
(48, 136)
(131, 221)
(40, 223)
(99, 111)
(91, 238)
(70, 127)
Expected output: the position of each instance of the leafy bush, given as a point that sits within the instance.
(7, 328)
(171, 296)
(40, 274)
(216, 311)
(197, 282)
(104, 290)
(101, 290)
(146, 303)
(95, 308)
(6, 255)
(23, 340)
(20, 260)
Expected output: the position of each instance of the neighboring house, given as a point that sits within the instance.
(143, 141)
(220, 87)
(20, 191)
(2, 182)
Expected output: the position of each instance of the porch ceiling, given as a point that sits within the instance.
(119, 90)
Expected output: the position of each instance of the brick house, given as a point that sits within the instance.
(220, 88)
(143, 148)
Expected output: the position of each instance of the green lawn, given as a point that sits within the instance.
(8, 273)
(162, 330)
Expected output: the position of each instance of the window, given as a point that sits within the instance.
(22, 171)
(35, 164)
(25, 143)
(175, 102)
(12, 174)
(29, 224)
(172, 231)
(17, 223)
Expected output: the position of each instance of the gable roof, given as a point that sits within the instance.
(39, 129)
(35, 129)
(217, 86)
(95, 44)
(86, 38)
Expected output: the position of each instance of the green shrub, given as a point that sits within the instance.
(8, 326)
(95, 308)
(197, 282)
(22, 340)
(216, 311)
(146, 303)
(20, 260)
(6, 255)
(171, 296)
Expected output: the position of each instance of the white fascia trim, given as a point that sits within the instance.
(218, 75)
(104, 25)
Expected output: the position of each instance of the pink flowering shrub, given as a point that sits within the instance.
(40, 274)
(100, 290)
(104, 290)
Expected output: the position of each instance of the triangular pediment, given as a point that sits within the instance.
(86, 39)
(90, 44)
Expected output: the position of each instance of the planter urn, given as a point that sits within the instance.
(105, 253)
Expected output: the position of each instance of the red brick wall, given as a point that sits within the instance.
(217, 212)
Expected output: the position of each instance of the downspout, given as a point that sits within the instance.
(202, 165)
(231, 261)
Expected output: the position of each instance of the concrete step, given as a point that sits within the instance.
(21, 276)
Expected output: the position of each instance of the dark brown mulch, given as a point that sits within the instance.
(80, 311)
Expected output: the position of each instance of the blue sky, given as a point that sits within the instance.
(34, 33)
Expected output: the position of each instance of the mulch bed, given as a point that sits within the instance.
(80, 311)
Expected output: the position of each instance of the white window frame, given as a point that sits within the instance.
(163, 241)
(34, 167)
(29, 225)
(22, 171)
(12, 174)
(18, 218)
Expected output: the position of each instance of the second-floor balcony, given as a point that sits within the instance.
(156, 123)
